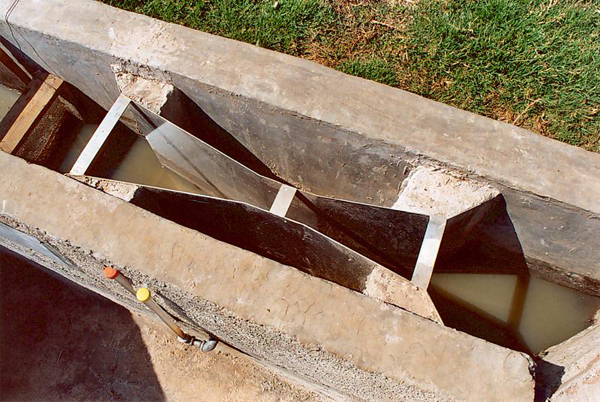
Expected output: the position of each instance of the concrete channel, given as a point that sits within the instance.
(372, 244)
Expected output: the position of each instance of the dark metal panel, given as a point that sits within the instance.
(261, 232)
(389, 237)
(459, 227)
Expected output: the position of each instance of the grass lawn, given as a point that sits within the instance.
(532, 63)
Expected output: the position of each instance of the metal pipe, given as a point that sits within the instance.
(144, 295)
(209, 345)
(121, 279)
(205, 346)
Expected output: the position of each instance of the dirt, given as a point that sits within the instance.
(61, 342)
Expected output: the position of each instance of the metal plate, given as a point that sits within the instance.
(387, 236)
(261, 232)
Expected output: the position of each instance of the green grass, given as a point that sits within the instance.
(372, 69)
(515, 60)
(532, 63)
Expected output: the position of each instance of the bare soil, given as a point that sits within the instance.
(61, 342)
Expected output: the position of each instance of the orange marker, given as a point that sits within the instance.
(122, 280)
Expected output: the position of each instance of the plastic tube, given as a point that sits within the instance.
(145, 297)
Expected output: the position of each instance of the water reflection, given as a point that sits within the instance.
(517, 311)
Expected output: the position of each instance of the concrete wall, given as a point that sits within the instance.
(272, 102)
(570, 371)
(341, 340)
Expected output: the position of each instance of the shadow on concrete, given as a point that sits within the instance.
(28, 64)
(59, 341)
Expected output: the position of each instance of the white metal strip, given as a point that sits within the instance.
(95, 143)
(283, 200)
(429, 251)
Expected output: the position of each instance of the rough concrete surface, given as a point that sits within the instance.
(307, 326)
(139, 85)
(342, 340)
(382, 284)
(431, 191)
(457, 137)
(267, 101)
(61, 342)
(570, 371)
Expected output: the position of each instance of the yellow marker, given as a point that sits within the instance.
(144, 295)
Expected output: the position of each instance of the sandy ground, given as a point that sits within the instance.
(61, 342)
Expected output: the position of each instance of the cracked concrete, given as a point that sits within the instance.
(570, 371)
(433, 191)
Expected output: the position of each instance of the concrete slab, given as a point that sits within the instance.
(391, 237)
(118, 355)
(283, 240)
(329, 335)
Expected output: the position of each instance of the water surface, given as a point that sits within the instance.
(524, 310)
(8, 97)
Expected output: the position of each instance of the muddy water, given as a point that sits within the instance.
(523, 313)
(8, 97)
(530, 311)
(141, 166)
(82, 138)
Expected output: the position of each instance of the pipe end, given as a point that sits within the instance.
(143, 294)
(209, 345)
(110, 272)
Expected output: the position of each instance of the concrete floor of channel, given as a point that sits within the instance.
(62, 342)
